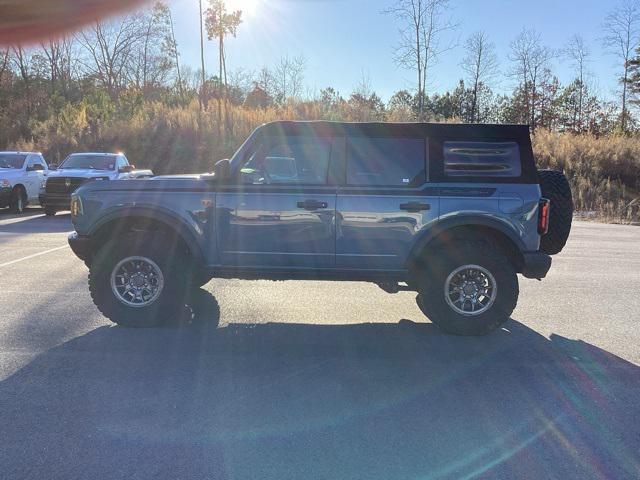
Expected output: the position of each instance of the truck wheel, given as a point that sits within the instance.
(49, 211)
(18, 200)
(471, 289)
(135, 283)
(555, 187)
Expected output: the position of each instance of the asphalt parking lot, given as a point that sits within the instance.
(319, 380)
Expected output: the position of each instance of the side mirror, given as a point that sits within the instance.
(222, 169)
(53, 166)
(126, 169)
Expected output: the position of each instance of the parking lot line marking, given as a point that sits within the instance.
(32, 256)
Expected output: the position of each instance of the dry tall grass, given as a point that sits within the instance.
(604, 172)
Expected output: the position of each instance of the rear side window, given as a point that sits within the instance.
(386, 161)
(481, 159)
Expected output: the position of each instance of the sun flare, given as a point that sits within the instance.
(248, 7)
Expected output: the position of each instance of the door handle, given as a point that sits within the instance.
(312, 205)
(415, 206)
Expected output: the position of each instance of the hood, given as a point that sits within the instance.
(81, 173)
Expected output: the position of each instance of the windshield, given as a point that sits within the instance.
(11, 160)
(89, 162)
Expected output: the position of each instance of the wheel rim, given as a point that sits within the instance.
(470, 290)
(137, 282)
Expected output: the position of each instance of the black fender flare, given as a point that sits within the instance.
(470, 221)
(170, 219)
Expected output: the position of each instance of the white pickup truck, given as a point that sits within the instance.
(79, 168)
(21, 175)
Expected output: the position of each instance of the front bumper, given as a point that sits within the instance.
(536, 264)
(80, 245)
(60, 201)
(5, 196)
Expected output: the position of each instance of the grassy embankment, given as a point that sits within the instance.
(604, 172)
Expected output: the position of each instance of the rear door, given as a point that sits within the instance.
(385, 202)
(281, 212)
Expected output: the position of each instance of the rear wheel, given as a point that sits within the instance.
(140, 281)
(18, 200)
(555, 187)
(50, 211)
(471, 289)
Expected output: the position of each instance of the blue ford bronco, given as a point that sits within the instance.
(452, 212)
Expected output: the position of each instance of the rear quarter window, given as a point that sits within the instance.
(481, 159)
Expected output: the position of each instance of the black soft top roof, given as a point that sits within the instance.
(446, 130)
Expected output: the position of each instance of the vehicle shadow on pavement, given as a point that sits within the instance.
(34, 221)
(308, 401)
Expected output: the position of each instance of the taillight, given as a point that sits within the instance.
(544, 209)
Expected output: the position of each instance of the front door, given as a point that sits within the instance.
(281, 212)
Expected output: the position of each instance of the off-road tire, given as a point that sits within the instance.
(204, 307)
(431, 291)
(175, 269)
(49, 211)
(555, 187)
(18, 200)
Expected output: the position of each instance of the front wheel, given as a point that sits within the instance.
(18, 200)
(49, 211)
(470, 289)
(140, 282)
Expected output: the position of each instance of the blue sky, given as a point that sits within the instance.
(343, 40)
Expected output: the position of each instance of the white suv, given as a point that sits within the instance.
(21, 176)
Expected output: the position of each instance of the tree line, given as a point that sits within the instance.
(114, 67)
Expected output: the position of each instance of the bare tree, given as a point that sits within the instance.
(265, 81)
(60, 57)
(4, 61)
(481, 66)
(153, 60)
(288, 78)
(531, 59)
(110, 49)
(176, 55)
(578, 53)
(202, 97)
(21, 61)
(423, 23)
(622, 36)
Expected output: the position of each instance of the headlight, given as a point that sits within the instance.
(76, 206)
(4, 183)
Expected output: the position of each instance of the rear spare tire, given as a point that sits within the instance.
(555, 187)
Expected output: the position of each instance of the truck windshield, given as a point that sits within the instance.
(89, 162)
(11, 160)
